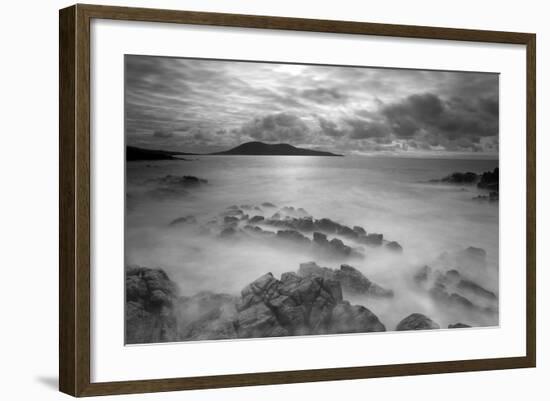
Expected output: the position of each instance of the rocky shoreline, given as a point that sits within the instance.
(310, 300)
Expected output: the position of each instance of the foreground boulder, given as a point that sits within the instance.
(417, 321)
(150, 299)
(352, 280)
(296, 305)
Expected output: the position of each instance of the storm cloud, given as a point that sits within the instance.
(209, 105)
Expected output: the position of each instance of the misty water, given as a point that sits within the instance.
(388, 195)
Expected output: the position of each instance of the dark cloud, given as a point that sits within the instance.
(281, 127)
(362, 129)
(428, 114)
(206, 105)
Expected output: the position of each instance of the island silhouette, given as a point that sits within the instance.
(134, 153)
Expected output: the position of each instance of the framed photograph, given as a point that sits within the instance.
(250, 200)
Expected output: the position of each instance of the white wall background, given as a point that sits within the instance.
(28, 203)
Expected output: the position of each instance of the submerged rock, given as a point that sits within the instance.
(417, 321)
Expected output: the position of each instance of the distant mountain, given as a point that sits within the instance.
(265, 149)
(134, 153)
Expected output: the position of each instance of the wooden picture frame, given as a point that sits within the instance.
(74, 204)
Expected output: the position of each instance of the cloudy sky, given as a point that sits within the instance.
(208, 105)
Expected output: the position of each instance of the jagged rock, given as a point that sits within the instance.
(458, 326)
(150, 296)
(293, 236)
(299, 305)
(184, 220)
(492, 197)
(231, 220)
(336, 245)
(416, 321)
(394, 246)
(450, 289)
(327, 225)
(351, 279)
(256, 219)
(345, 231)
(348, 318)
(267, 307)
(371, 239)
(320, 239)
(304, 224)
(489, 180)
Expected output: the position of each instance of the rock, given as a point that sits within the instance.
(416, 321)
(267, 307)
(183, 221)
(327, 225)
(182, 181)
(347, 232)
(458, 326)
(461, 178)
(320, 239)
(293, 236)
(359, 230)
(422, 275)
(348, 318)
(256, 219)
(298, 305)
(351, 279)
(231, 221)
(150, 297)
(228, 232)
(336, 245)
(394, 246)
(268, 205)
(371, 239)
(475, 289)
(489, 180)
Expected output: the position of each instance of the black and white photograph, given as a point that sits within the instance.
(268, 199)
